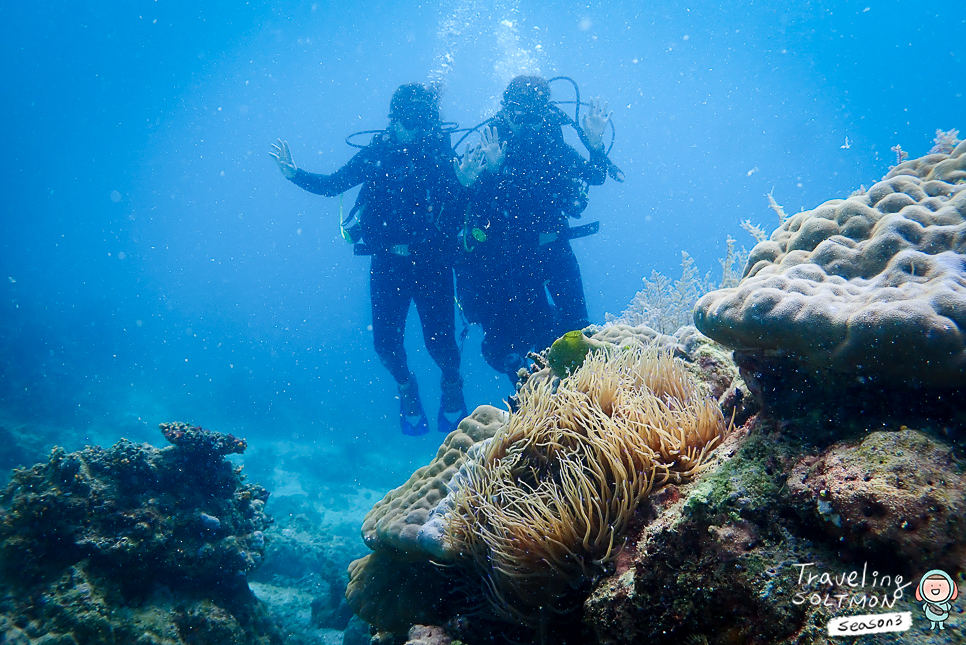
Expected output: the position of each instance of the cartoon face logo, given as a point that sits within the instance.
(937, 591)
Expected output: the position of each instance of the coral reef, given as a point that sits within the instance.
(739, 555)
(198, 441)
(134, 544)
(397, 585)
(528, 516)
(399, 525)
(873, 285)
(785, 529)
(841, 484)
(303, 579)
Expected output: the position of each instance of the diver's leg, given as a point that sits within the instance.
(510, 319)
(435, 299)
(532, 314)
(390, 285)
(390, 304)
(566, 287)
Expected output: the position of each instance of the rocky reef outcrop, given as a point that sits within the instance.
(134, 544)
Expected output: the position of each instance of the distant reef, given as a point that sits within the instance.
(134, 544)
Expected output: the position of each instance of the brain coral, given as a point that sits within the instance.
(395, 524)
(396, 586)
(873, 284)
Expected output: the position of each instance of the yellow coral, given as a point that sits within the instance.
(547, 504)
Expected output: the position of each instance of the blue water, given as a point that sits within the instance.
(156, 266)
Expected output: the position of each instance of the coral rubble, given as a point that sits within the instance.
(134, 544)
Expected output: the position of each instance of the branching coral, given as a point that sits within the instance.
(545, 507)
(665, 305)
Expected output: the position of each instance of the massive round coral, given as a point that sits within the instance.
(875, 283)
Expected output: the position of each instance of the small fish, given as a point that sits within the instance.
(846, 145)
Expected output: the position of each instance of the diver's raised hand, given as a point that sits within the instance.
(494, 152)
(284, 158)
(469, 167)
(595, 122)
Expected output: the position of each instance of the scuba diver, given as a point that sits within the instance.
(407, 214)
(526, 183)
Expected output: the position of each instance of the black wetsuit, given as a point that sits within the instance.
(409, 211)
(523, 211)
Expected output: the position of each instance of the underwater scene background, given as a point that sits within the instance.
(156, 267)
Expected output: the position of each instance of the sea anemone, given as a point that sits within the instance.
(546, 506)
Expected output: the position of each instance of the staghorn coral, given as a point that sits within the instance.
(545, 505)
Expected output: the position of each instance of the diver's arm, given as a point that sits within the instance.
(594, 171)
(453, 188)
(469, 166)
(596, 168)
(283, 156)
(493, 151)
(352, 174)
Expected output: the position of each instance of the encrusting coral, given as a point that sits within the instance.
(544, 507)
(874, 284)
